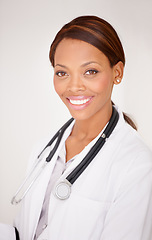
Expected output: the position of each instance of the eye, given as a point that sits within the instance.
(91, 72)
(61, 74)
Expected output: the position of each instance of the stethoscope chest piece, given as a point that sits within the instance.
(63, 189)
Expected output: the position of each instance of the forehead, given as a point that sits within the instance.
(72, 50)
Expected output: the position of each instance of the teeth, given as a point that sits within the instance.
(79, 102)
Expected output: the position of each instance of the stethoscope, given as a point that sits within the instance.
(63, 189)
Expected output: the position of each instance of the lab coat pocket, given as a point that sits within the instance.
(85, 217)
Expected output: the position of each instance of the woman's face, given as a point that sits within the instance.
(83, 79)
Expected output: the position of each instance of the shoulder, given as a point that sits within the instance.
(132, 159)
(129, 141)
(37, 149)
(130, 153)
(48, 143)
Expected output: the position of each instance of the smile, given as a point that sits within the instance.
(79, 102)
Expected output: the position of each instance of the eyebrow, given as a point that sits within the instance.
(87, 63)
(60, 65)
(83, 65)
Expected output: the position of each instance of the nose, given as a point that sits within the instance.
(76, 84)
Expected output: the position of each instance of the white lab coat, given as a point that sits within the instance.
(111, 200)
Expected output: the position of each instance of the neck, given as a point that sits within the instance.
(91, 127)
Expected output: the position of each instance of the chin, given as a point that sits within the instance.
(80, 115)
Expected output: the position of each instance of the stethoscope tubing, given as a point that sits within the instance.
(72, 177)
(59, 134)
(16, 200)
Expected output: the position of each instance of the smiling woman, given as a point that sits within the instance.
(101, 173)
(98, 33)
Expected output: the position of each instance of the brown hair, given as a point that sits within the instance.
(97, 32)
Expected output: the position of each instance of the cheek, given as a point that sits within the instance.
(57, 86)
(102, 84)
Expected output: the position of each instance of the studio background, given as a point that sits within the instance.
(29, 107)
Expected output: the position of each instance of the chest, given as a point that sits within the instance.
(91, 197)
(74, 146)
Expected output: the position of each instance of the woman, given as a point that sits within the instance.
(112, 197)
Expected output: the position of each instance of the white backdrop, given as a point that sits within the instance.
(29, 107)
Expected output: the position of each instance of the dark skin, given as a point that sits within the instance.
(78, 138)
(84, 81)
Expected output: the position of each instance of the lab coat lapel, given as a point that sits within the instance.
(80, 156)
(35, 200)
(75, 163)
(38, 192)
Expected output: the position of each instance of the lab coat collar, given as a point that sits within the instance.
(80, 156)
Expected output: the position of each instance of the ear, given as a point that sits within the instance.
(118, 72)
